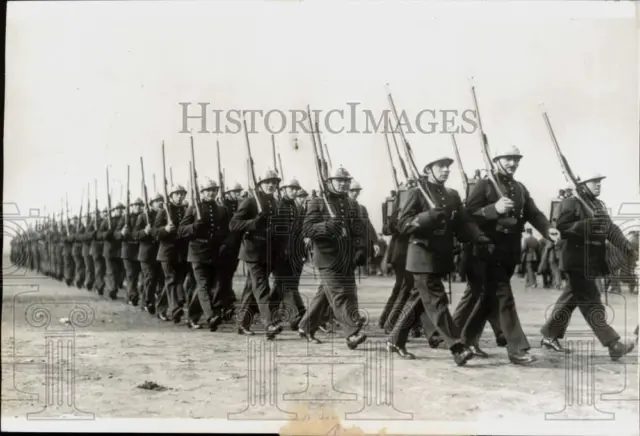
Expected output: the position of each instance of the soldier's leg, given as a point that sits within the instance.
(149, 282)
(69, 270)
(340, 290)
(395, 291)
(406, 286)
(200, 304)
(588, 301)
(247, 308)
(112, 277)
(434, 298)
(314, 316)
(80, 271)
(100, 270)
(262, 292)
(410, 312)
(132, 268)
(557, 323)
(89, 278)
(163, 303)
(175, 275)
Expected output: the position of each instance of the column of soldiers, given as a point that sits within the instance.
(273, 232)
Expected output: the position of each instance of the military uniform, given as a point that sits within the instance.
(584, 259)
(111, 251)
(259, 249)
(129, 252)
(67, 255)
(229, 260)
(152, 275)
(430, 259)
(86, 238)
(505, 231)
(172, 253)
(339, 247)
(208, 239)
(97, 252)
(78, 259)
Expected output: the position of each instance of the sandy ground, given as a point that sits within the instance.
(117, 348)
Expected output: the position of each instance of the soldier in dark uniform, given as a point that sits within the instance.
(430, 257)
(172, 253)
(503, 219)
(584, 259)
(290, 257)
(145, 233)
(97, 250)
(339, 247)
(60, 248)
(129, 250)
(371, 240)
(67, 254)
(111, 252)
(86, 237)
(229, 259)
(76, 251)
(259, 249)
(208, 241)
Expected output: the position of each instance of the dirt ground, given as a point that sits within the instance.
(120, 350)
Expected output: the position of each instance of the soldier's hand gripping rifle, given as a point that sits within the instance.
(321, 169)
(253, 183)
(424, 188)
(144, 192)
(486, 152)
(194, 183)
(465, 179)
(108, 202)
(220, 176)
(164, 183)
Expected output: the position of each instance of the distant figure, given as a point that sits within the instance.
(377, 260)
(530, 247)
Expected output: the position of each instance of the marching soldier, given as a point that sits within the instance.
(86, 237)
(290, 257)
(129, 250)
(67, 254)
(371, 242)
(259, 249)
(503, 219)
(430, 258)
(208, 239)
(97, 252)
(146, 233)
(583, 259)
(172, 253)
(78, 260)
(111, 252)
(339, 247)
(230, 260)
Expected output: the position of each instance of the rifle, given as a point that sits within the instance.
(67, 208)
(322, 176)
(275, 163)
(95, 192)
(566, 170)
(108, 202)
(281, 169)
(394, 172)
(80, 213)
(144, 192)
(192, 198)
(485, 149)
(126, 211)
(155, 189)
(88, 204)
(166, 192)
(326, 148)
(250, 166)
(465, 179)
(220, 176)
(424, 187)
(402, 164)
(194, 183)
(171, 175)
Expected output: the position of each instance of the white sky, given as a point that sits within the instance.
(90, 84)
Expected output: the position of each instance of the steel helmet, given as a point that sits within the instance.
(510, 151)
(177, 188)
(208, 184)
(340, 173)
(591, 176)
(269, 175)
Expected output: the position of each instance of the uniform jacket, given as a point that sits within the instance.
(399, 243)
(111, 246)
(86, 237)
(584, 239)
(91, 233)
(431, 243)
(172, 248)
(208, 236)
(147, 244)
(129, 246)
(505, 231)
(371, 236)
(333, 248)
(77, 241)
(259, 243)
(288, 230)
(67, 241)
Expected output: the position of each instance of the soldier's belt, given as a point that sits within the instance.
(595, 243)
(507, 230)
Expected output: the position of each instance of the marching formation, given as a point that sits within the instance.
(177, 259)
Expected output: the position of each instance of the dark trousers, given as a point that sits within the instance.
(100, 266)
(205, 301)
(89, 277)
(173, 297)
(226, 272)
(582, 293)
(114, 275)
(261, 295)
(132, 268)
(411, 315)
(339, 291)
(69, 268)
(498, 293)
(152, 278)
(286, 284)
(248, 306)
(189, 284)
(399, 295)
(78, 261)
(431, 298)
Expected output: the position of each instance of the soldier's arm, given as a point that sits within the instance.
(223, 228)
(186, 228)
(478, 205)
(160, 223)
(409, 212)
(569, 222)
(245, 217)
(117, 235)
(465, 227)
(102, 231)
(532, 214)
(314, 225)
(138, 232)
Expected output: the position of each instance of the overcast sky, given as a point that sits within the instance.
(91, 84)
